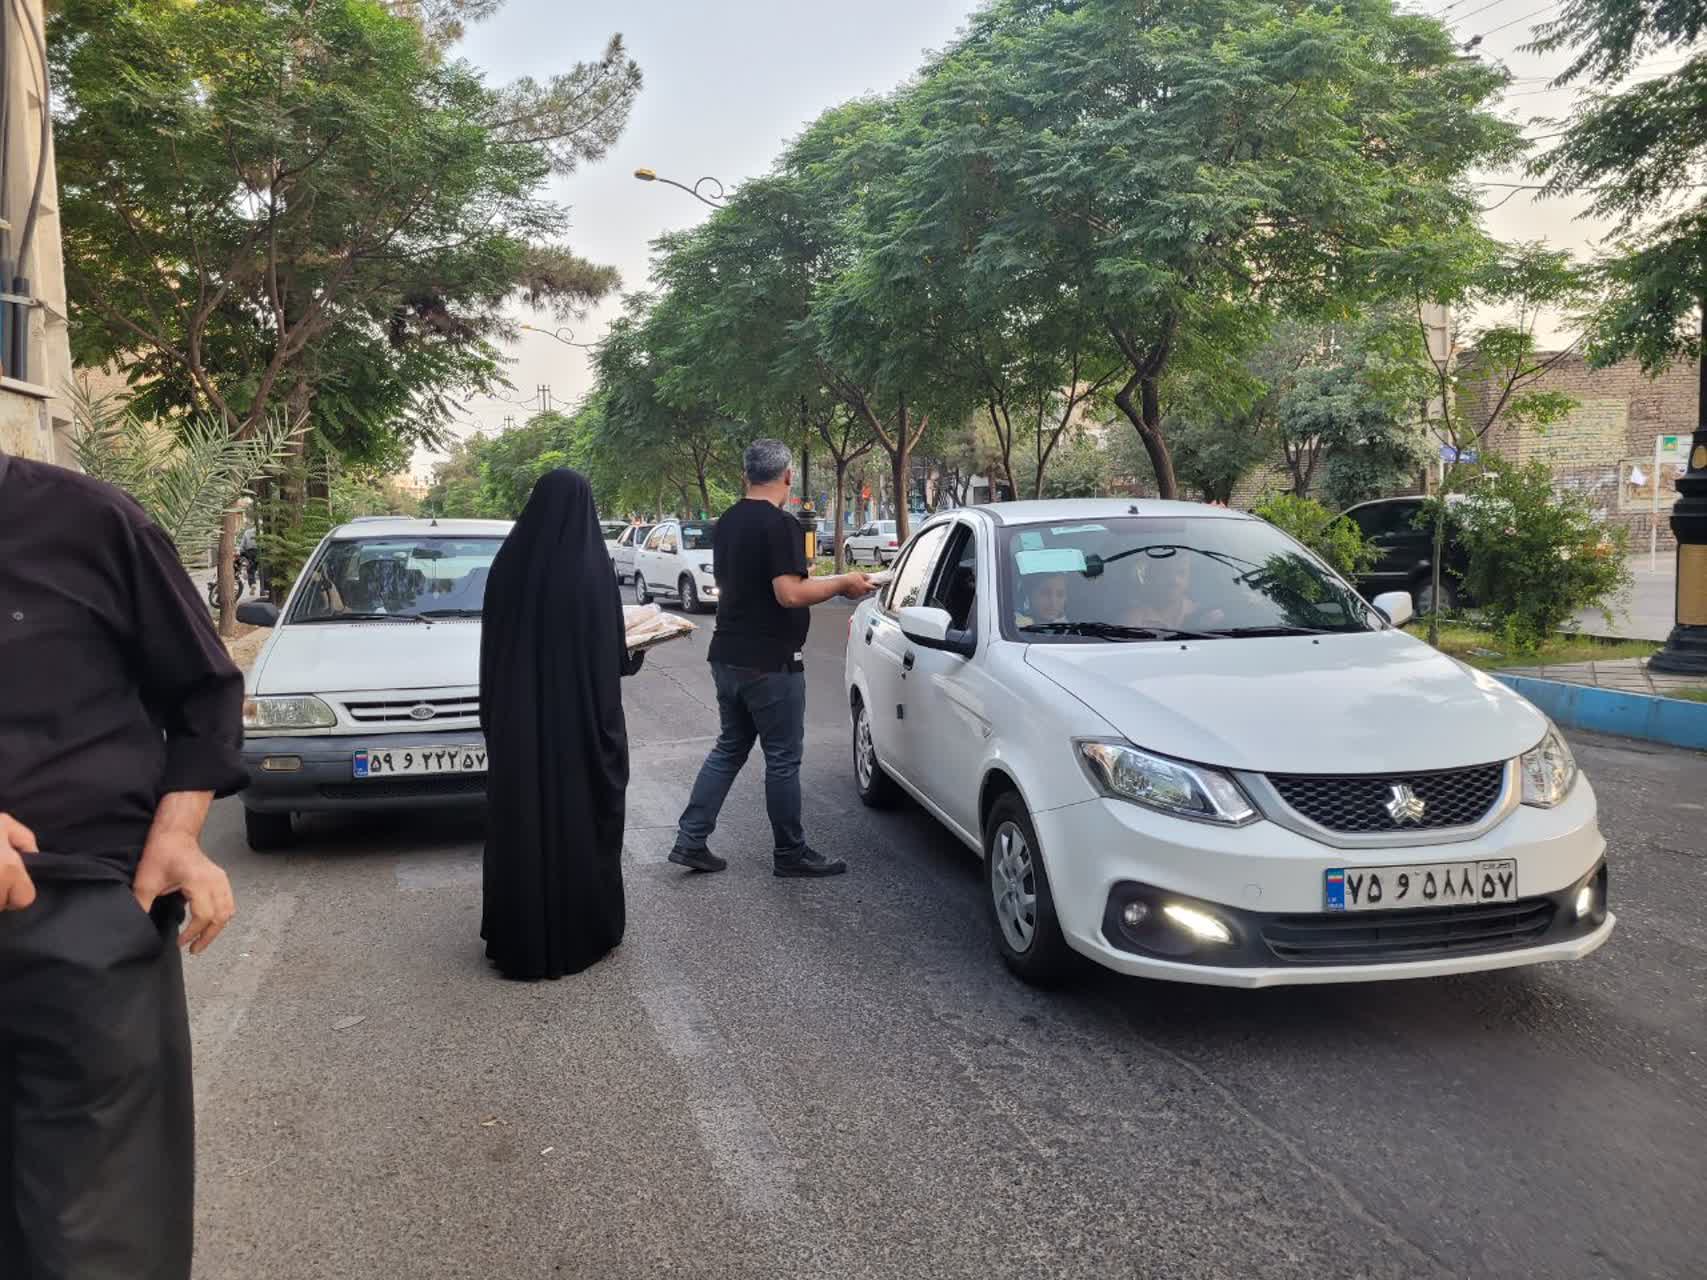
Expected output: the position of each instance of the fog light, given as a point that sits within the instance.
(1199, 924)
(282, 764)
(1133, 913)
(1585, 900)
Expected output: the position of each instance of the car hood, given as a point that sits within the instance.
(1373, 701)
(349, 657)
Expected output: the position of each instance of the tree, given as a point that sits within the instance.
(1191, 169)
(269, 203)
(1641, 150)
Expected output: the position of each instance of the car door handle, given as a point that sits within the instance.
(907, 662)
(869, 632)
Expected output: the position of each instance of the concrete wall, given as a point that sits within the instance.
(35, 419)
(1604, 448)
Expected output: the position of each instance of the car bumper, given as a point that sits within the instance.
(325, 780)
(1266, 885)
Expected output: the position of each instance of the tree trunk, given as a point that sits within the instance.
(1147, 421)
(838, 499)
(1438, 553)
(900, 462)
(227, 579)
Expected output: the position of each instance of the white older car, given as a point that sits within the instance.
(367, 694)
(1186, 749)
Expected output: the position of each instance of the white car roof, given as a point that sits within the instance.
(413, 526)
(1032, 512)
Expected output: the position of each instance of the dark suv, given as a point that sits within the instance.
(1406, 542)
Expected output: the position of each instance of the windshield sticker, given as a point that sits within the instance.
(1052, 560)
(1030, 541)
(1065, 530)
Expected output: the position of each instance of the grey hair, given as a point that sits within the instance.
(765, 461)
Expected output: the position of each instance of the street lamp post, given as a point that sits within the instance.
(715, 199)
(1686, 648)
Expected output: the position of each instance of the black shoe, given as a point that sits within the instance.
(808, 864)
(697, 859)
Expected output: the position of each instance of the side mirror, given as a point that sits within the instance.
(1395, 606)
(258, 613)
(934, 629)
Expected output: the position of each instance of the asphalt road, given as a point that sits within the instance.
(781, 1078)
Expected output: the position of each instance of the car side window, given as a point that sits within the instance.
(656, 541)
(956, 589)
(914, 573)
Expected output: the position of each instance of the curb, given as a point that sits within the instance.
(1676, 722)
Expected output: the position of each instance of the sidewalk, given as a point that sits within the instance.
(1627, 675)
(1619, 697)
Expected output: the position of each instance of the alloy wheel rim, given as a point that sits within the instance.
(1013, 883)
(864, 762)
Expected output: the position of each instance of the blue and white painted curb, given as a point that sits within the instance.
(1675, 722)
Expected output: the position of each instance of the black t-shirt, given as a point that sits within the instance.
(755, 543)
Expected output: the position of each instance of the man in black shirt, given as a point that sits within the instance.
(120, 720)
(764, 598)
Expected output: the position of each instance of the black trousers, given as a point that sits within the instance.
(97, 1115)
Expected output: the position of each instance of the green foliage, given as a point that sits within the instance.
(1082, 469)
(1536, 557)
(274, 202)
(1336, 540)
(186, 474)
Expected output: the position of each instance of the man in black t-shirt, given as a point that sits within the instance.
(765, 593)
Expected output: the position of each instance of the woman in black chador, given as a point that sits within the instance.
(552, 655)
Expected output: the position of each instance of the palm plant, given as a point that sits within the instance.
(187, 475)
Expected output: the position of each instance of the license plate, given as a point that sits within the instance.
(407, 762)
(1429, 884)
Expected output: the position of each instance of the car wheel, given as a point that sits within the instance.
(641, 595)
(1423, 593)
(268, 831)
(877, 790)
(689, 594)
(1022, 908)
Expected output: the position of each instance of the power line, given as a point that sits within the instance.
(1525, 18)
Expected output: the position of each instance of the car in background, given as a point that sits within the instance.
(1187, 750)
(874, 543)
(622, 555)
(367, 694)
(675, 563)
(612, 531)
(1401, 533)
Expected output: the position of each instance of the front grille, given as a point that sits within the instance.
(1392, 936)
(450, 784)
(398, 710)
(1360, 802)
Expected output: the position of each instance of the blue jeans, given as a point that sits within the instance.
(767, 707)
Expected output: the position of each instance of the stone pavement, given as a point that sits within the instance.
(1627, 675)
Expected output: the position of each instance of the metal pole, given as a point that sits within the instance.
(1685, 652)
(1654, 519)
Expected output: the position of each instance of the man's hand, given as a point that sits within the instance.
(857, 586)
(173, 862)
(17, 890)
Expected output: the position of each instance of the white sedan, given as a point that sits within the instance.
(1186, 749)
(875, 543)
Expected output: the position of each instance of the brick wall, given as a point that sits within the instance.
(1604, 448)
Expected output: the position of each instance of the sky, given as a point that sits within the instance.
(727, 84)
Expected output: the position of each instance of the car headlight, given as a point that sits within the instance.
(299, 712)
(1549, 771)
(1170, 786)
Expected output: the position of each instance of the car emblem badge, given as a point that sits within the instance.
(421, 711)
(1405, 805)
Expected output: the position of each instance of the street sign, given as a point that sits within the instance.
(1449, 454)
(1671, 448)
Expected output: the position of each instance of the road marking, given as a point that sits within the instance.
(248, 951)
(742, 1147)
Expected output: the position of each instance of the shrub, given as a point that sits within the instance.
(1334, 538)
(1535, 557)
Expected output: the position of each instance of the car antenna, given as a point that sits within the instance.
(1132, 510)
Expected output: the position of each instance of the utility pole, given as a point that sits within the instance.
(1686, 648)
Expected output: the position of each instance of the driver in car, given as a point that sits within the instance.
(1046, 599)
(1164, 596)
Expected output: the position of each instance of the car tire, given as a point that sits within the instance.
(1022, 908)
(1423, 594)
(877, 790)
(641, 594)
(688, 593)
(267, 832)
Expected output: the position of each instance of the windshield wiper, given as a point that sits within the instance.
(369, 617)
(1115, 631)
(1277, 630)
(447, 613)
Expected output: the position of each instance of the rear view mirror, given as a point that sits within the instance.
(258, 613)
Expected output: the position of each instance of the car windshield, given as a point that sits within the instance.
(697, 537)
(613, 528)
(1137, 579)
(358, 579)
